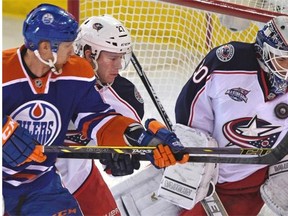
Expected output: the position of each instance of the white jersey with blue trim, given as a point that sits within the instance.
(124, 97)
(228, 97)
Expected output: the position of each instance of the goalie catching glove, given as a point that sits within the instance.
(19, 147)
(169, 149)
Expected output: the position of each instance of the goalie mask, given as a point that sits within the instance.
(272, 47)
(49, 23)
(104, 33)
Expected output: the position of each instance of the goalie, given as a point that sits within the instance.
(238, 94)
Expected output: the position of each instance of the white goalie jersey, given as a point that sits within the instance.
(228, 97)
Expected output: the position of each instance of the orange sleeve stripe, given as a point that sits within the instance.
(111, 133)
(154, 126)
(86, 125)
(26, 176)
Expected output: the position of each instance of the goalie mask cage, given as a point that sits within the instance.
(171, 37)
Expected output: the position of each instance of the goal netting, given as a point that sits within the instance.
(171, 39)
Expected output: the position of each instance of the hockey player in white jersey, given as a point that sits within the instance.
(238, 95)
(49, 87)
(106, 44)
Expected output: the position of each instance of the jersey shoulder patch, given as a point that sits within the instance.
(225, 52)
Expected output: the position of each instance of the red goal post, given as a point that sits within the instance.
(170, 37)
(249, 9)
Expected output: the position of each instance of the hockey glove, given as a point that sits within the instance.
(169, 149)
(120, 164)
(19, 147)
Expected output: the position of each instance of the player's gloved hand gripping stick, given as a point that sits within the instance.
(19, 147)
(169, 149)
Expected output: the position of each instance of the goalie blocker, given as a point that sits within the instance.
(138, 194)
(274, 191)
(186, 185)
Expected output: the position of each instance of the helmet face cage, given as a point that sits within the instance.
(273, 43)
(104, 33)
(49, 23)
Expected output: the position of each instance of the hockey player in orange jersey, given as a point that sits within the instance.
(44, 87)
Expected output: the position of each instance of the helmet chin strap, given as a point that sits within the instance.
(50, 63)
(98, 81)
(97, 77)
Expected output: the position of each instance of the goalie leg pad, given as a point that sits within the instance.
(187, 184)
(137, 195)
(275, 191)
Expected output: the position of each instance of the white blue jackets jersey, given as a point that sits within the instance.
(123, 96)
(227, 96)
(45, 106)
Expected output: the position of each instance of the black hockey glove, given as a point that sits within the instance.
(120, 164)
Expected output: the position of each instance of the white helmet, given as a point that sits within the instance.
(104, 33)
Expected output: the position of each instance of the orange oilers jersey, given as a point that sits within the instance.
(45, 106)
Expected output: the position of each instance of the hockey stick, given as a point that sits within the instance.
(151, 91)
(168, 123)
(262, 157)
(149, 150)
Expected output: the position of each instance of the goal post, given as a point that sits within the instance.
(256, 10)
(171, 37)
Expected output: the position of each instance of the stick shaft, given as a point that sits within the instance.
(273, 157)
(151, 91)
(149, 150)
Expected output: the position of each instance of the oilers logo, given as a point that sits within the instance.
(41, 119)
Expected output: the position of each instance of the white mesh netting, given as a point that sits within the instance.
(170, 40)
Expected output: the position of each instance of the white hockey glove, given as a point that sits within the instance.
(274, 191)
(187, 184)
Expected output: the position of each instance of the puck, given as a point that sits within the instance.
(281, 110)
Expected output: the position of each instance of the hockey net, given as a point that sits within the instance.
(169, 40)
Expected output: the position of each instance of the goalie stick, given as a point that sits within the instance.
(263, 156)
(168, 123)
